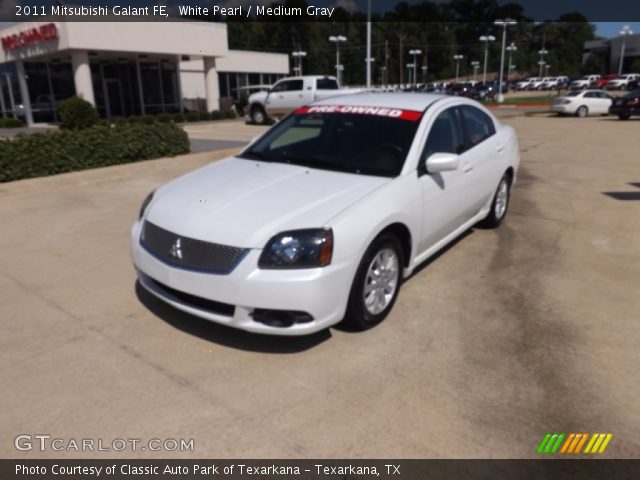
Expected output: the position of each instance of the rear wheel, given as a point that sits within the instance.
(582, 111)
(624, 116)
(499, 205)
(376, 283)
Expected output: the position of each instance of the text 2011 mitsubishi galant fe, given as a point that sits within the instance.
(321, 218)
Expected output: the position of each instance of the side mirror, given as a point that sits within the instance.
(442, 162)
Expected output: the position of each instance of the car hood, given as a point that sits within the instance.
(243, 203)
(258, 97)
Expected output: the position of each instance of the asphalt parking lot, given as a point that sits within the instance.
(501, 338)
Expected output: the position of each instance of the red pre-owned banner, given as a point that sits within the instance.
(398, 113)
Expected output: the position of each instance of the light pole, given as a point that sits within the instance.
(410, 67)
(507, 22)
(369, 44)
(424, 73)
(486, 39)
(626, 31)
(476, 65)
(383, 71)
(542, 53)
(415, 54)
(338, 39)
(457, 58)
(546, 69)
(511, 48)
(299, 55)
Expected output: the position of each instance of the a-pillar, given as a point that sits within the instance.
(82, 75)
(24, 92)
(211, 87)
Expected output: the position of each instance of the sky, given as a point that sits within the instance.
(612, 29)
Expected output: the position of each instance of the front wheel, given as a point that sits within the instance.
(499, 205)
(258, 116)
(376, 283)
(624, 116)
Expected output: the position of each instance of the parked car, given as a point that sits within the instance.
(322, 217)
(483, 92)
(537, 84)
(623, 81)
(434, 87)
(459, 89)
(290, 93)
(582, 103)
(626, 105)
(602, 82)
(584, 82)
(554, 83)
(526, 84)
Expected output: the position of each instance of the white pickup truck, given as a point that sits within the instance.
(290, 93)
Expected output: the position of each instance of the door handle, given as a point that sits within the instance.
(500, 149)
(467, 167)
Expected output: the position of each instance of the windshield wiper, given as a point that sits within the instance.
(316, 162)
(252, 155)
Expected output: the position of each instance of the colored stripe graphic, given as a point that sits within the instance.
(550, 443)
(598, 442)
(572, 443)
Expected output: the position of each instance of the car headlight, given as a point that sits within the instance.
(145, 204)
(309, 248)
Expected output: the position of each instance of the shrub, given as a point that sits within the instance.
(42, 154)
(192, 116)
(230, 113)
(178, 117)
(76, 114)
(11, 122)
(148, 119)
(134, 119)
(217, 115)
(204, 116)
(164, 118)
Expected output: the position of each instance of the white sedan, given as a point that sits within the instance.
(322, 217)
(583, 103)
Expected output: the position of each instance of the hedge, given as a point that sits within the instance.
(77, 114)
(41, 154)
(10, 122)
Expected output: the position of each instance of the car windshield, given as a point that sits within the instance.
(374, 141)
(572, 94)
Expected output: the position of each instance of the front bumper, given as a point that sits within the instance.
(623, 110)
(232, 298)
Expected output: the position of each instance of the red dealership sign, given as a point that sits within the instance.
(30, 37)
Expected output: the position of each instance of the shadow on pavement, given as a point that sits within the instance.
(227, 336)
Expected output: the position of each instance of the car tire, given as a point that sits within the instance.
(499, 204)
(624, 116)
(582, 111)
(258, 116)
(367, 309)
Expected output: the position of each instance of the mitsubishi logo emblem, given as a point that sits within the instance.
(176, 250)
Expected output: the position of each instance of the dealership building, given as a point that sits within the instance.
(126, 68)
(611, 49)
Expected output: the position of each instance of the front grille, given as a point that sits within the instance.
(189, 253)
(195, 301)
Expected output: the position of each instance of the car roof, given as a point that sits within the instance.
(404, 101)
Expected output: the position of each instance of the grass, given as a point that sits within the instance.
(524, 100)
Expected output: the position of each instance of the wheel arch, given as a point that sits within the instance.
(403, 234)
